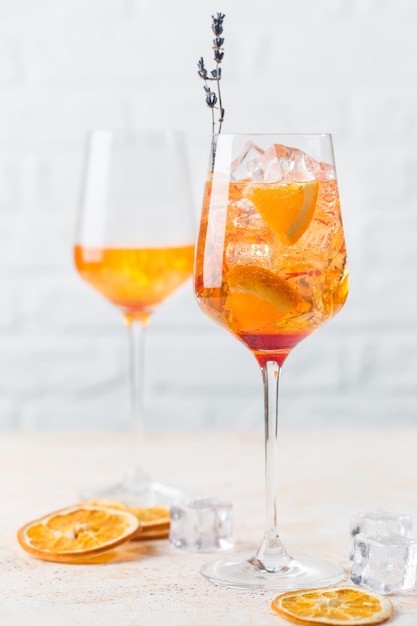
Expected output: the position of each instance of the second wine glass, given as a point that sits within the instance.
(135, 246)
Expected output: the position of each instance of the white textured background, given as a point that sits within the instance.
(341, 66)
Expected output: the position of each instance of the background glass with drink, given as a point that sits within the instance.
(135, 246)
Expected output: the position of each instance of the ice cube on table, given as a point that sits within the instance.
(201, 524)
(379, 522)
(385, 563)
(283, 163)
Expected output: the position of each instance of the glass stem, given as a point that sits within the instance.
(271, 555)
(136, 338)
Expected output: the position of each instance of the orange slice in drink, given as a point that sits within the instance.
(334, 606)
(340, 294)
(264, 284)
(287, 208)
(78, 531)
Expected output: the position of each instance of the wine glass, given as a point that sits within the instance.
(135, 245)
(271, 268)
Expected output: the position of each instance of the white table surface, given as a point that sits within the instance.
(325, 477)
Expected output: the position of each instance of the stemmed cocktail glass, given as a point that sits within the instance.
(271, 268)
(135, 246)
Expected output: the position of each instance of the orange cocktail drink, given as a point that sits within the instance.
(278, 270)
(135, 279)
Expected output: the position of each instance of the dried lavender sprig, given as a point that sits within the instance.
(217, 28)
(211, 97)
(215, 75)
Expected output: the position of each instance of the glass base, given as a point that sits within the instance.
(140, 494)
(297, 573)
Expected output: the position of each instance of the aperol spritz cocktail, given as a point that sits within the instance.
(271, 268)
(282, 269)
(135, 279)
(135, 246)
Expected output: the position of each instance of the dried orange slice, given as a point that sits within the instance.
(286, 208)
(106, 503)
(154, 522)
(334, 606)
(151, 516)
(266, 285)
(160, 532)
(78, 531)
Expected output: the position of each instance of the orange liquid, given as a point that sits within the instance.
(267, 293)
(135, 280)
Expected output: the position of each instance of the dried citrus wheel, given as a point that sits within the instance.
(151, 516)
(154, 522)
(334, 605)
(266, 285)
(78, 531)
(106, 503)
(286, 208)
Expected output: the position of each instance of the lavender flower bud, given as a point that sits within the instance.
(217, 25)
(218, 56)
(211, 99)
(202, 72)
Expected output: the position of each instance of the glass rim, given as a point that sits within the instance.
(276, 134)
(134, 131)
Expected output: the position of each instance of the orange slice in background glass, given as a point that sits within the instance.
(334, 606)
(78, 531)
(287, 208)
(264, 284)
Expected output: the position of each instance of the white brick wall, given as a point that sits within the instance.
(343, 66)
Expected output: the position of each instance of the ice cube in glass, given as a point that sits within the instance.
(239, 166)
(284, 163)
